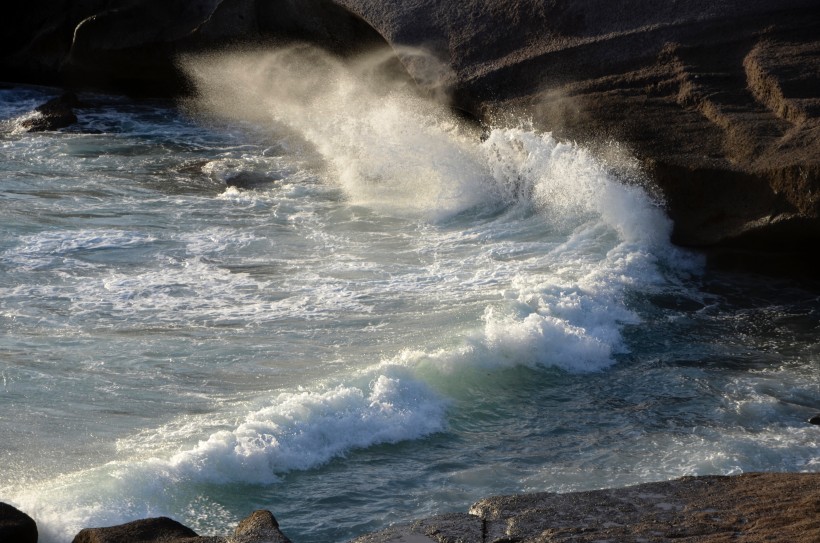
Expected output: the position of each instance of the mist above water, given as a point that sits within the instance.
(387, 146)
(393, 151)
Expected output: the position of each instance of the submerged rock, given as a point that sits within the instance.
(55, 114)
(249, 180)
(815, 419)
(16, 526)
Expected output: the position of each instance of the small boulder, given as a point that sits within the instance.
(249, 180)
(16, 526)
(54, 114)
(259, 527)
(815, 420)
(151, 530)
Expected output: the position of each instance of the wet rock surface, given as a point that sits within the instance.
(55, 114)
(751, 508)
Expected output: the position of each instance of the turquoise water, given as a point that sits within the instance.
(392, 317)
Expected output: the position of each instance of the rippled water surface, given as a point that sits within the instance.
(354, 313)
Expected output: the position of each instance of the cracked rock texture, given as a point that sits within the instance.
(718, 99)
(749, 508)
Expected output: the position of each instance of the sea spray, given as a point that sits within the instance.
(387, 147)
(448, 259)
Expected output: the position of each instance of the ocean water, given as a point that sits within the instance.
(309, 290)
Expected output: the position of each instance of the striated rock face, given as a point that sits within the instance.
(16, 526)
(751, 508)
(719, 99)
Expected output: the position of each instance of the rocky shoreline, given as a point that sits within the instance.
(753, 507)
(718, 101)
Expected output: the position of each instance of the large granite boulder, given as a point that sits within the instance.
(16, 526)
(750, 507)
(719, 99)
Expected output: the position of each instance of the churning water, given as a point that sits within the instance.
(310, 293)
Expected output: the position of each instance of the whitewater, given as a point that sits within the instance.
(311, 289)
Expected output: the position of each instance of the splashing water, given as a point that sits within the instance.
(401, 317)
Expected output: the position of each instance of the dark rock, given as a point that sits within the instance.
(133, 46)
(815, 420)
(152, 530)
(249, 180)
(752, 507)
(720, 100)
(16, 526)
(55, 114)
(259, 527)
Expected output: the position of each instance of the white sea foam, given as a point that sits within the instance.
(399, 155)
(296, 431)
(544, 273)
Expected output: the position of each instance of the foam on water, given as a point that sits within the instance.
(439, 257)
(296, 431)
(395, 153)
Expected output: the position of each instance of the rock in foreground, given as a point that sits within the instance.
(16, 526)
(750, 508)
(259, 527)
(144, 530)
